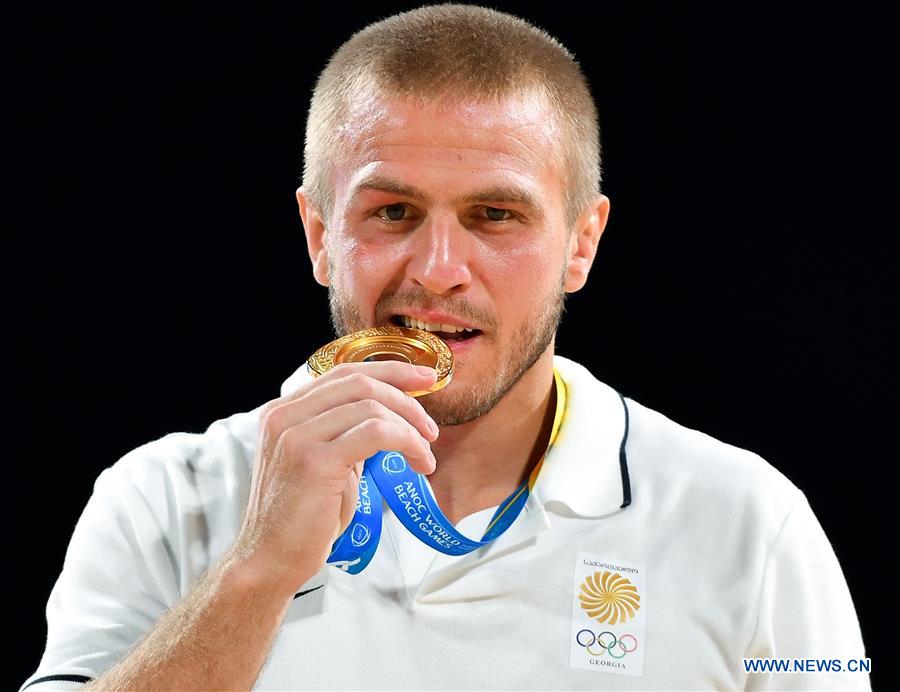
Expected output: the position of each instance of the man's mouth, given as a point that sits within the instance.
(447, 332)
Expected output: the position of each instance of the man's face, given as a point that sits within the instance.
(457, 210)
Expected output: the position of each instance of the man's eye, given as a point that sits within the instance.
(397, 212)
(495, 214)
(392, 212)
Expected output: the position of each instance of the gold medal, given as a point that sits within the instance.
(415, 346)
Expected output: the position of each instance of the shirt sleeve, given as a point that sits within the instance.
(806, 611)
(117, 579)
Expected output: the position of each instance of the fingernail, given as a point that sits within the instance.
(425, 370)
(432, 426)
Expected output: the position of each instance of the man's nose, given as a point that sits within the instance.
(441, 252)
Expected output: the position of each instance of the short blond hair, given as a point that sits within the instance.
(446, 51)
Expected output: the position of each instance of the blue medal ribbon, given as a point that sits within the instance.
(388, 475)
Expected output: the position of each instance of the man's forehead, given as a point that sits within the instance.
(523, 125)
(513, 141)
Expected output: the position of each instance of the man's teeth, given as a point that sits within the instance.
(431, 326)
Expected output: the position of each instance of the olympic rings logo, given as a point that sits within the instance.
(607, 642)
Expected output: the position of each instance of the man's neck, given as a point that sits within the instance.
(480, 463)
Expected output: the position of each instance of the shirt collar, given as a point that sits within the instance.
(585, 468)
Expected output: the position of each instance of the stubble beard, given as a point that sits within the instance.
(451, 406)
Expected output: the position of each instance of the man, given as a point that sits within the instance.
(451, 182)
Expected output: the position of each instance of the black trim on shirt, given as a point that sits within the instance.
(303, 593)
(623, 461)
(62, 678)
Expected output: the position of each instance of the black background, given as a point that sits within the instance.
(742, 287)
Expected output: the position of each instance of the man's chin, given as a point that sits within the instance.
(449, 408)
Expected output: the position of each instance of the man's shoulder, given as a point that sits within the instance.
(672, 458)
(188, 461)
(668, 461)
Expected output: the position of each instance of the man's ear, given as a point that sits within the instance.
(583, 243)
(314, 227)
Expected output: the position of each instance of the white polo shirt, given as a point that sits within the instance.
(648, 556)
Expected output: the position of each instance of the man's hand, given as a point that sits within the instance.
(312, 446)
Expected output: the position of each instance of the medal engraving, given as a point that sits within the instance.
(415, 346)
